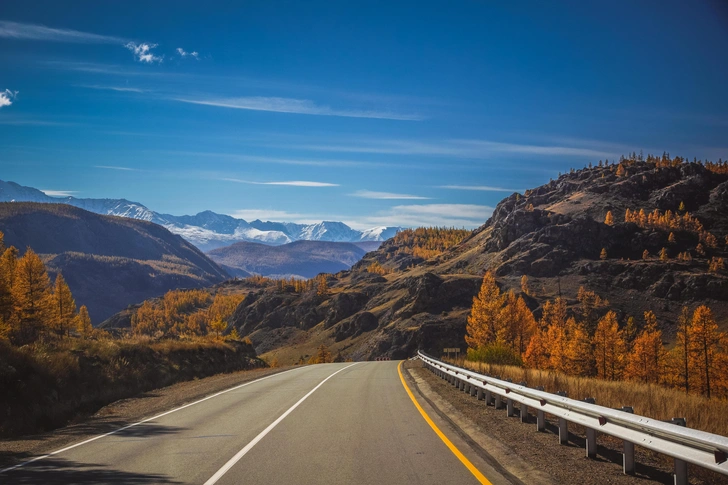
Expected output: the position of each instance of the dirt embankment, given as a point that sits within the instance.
(44, 387)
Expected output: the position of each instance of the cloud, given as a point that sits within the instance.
(297, 106)
(7, 97)
(143, 52)
(368, 194)
(483, 188)
(449, 215)
(293, 183)
(59, 193)
(184, 54)
(15, 30)
(113, 167)
(457, 148)
(121, 89)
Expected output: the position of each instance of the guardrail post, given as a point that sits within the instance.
(628, 466)
(473, 390)
(681, 466)
(524, 408)
(591, 435)
(480, 394)
(497, 404)
(563, 424)
(488, 397)
(540, 416)
(509, 407)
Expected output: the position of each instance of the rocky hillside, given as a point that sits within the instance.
(554, 234)
(109, 262)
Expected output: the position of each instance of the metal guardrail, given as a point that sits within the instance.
(685, 445)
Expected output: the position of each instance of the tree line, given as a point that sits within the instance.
(590, 340)
(31, 305)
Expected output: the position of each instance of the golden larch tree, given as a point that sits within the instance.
(524, 285)
(31, 296)
(483, 321)
(705, 345)
(63, 309)
(608, 342)
(609, 219)
(646, 360)
(681, 351)
(579, 352)
(603, 254)
(83, 323)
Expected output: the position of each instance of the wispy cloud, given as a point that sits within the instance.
(7, 97)
(15, 30)
(277, 160)
(143, 52)
(59, 193)
(483, 188)
(368, 194)
(291, 105)
(183, 54)
(292, 183)
(416, 215)
(121, 89)
(458, 148)
(114, 167)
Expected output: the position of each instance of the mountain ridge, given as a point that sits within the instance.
(207, 229)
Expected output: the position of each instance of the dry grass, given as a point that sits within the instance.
(653, 401)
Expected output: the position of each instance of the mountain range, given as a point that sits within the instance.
(207, 230)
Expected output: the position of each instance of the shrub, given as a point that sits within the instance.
(495, 353)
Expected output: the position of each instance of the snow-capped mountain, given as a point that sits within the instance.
(207, 230)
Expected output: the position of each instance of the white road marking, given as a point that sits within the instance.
(222, 471)
(142, 422)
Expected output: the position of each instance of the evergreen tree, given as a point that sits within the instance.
(63, 308)
(31, 296)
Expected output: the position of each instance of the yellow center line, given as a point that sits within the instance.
(476, 473)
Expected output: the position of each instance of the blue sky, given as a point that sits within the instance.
(373, 113)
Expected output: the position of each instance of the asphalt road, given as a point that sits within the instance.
(322, 424)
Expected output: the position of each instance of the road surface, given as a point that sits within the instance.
(323, 424)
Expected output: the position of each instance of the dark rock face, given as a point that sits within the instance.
(342, 306)
(360, 323)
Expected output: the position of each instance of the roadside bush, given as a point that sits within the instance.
(495, 353)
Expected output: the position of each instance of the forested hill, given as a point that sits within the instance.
(573, 232)
(109, 262)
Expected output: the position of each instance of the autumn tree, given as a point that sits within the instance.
(663, 254)
(646, 361)
(83, 322)
(608, 342)
(603, 254)
(589, 303)
(218, 326)
(524, 285)
(515, 323)
(322, 289)
(554, 320)
(671, 238)
(608, 219)
(323, 356)
(483, 323)
(645, 254)
(705, 345)
(8, 260)
(31, 296)
(682, 349)
(63, 307)
(579, 355)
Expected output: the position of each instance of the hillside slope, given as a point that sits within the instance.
(301, 258)
(554, 234)
(109, 262)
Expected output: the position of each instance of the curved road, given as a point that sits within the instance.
(322, 424)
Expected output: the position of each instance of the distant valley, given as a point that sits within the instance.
(300, 259)
(207, 230)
